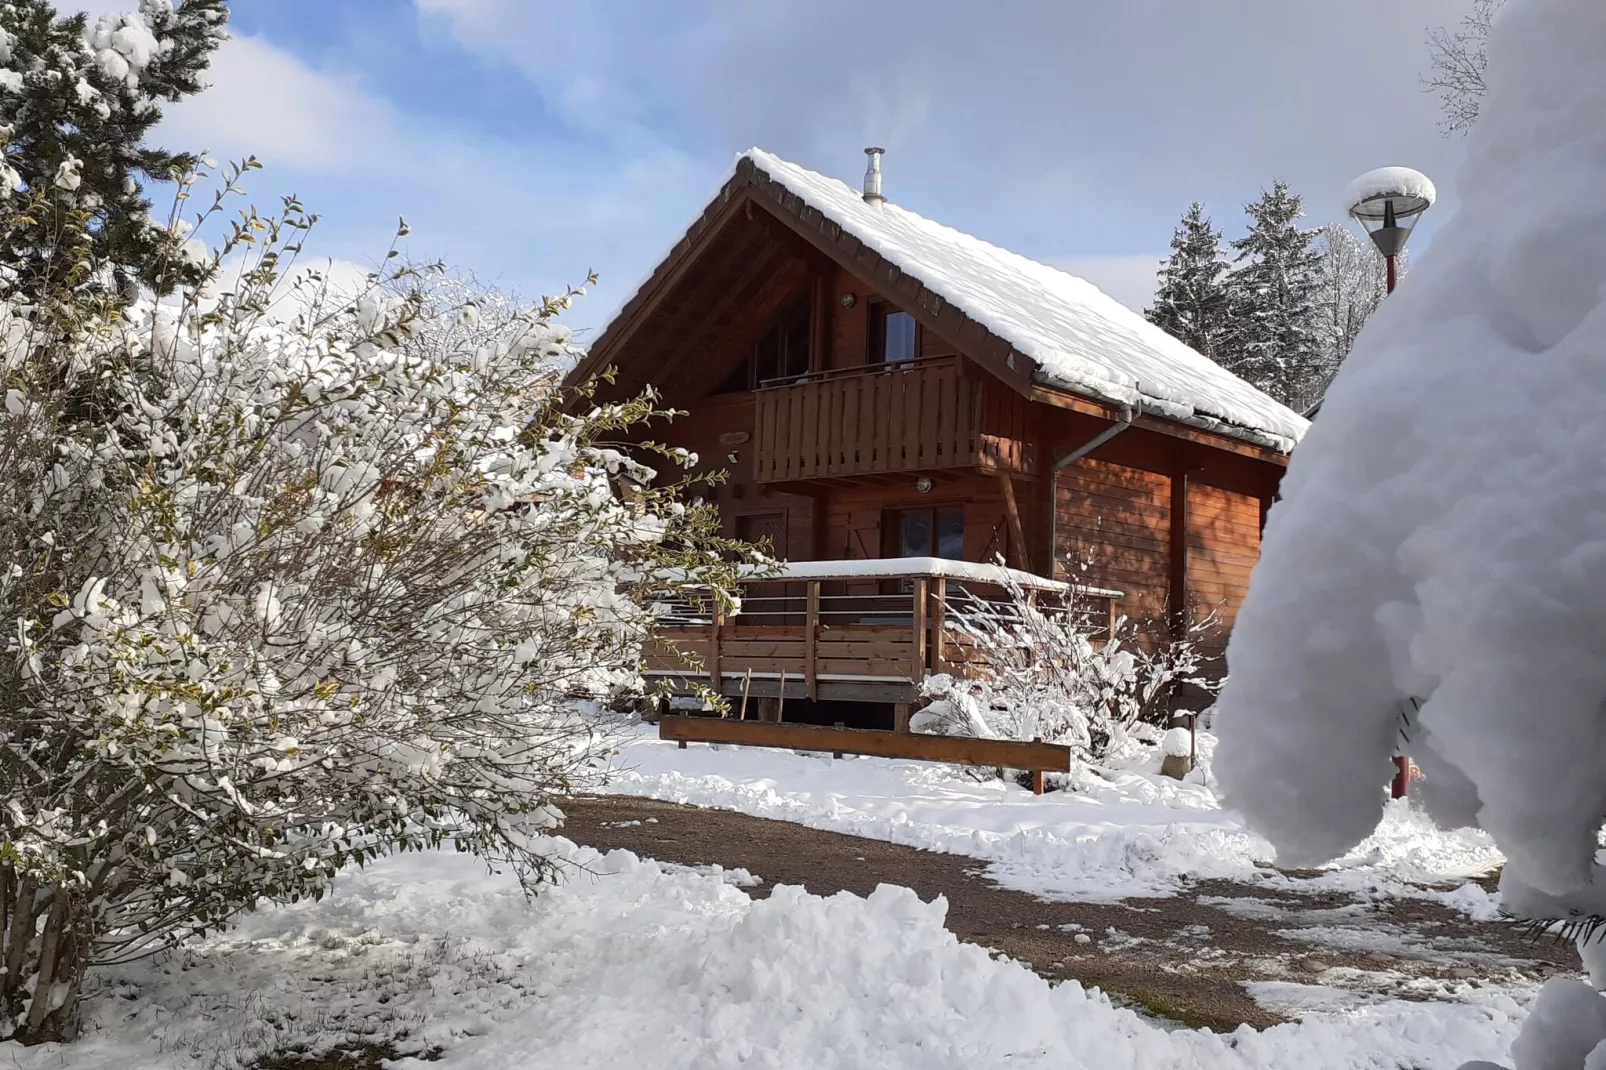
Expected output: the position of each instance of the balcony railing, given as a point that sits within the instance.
(918, 415)
(838, 624)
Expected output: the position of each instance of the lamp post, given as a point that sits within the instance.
(1388, 203)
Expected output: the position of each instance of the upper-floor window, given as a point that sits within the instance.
(894, 335)
(783, 352)
(780, 355)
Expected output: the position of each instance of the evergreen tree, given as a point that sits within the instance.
(77, 101)
(1192, 303)
(1274, 294)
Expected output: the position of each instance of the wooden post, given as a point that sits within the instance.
(1177, 587)
(747, 683)
(836, 754)
(1037, 774)
(811, 636)
(1017, 532)
(900, 717)
(714, 629)
(919, 617)
(939, 625)
(780, 706)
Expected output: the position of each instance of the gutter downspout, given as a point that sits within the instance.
(1128, 414)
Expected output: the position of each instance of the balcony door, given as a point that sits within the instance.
(932, 532)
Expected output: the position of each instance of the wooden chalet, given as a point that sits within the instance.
(899, 404)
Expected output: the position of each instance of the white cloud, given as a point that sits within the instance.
(1131, 280)
(264, 101)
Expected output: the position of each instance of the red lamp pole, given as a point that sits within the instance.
(1402, 764)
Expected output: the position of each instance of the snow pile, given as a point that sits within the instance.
(1390, 181)
(1440, 534)
(636, 964)
(1125, 832)
(1081, 338)
(1178, 743)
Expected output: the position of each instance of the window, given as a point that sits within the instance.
(782, 354)
(928, 533)
(895, 336)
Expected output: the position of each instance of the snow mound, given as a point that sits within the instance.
(1441, 535)
(1177, 743)
(1390, 181)
(634, 964)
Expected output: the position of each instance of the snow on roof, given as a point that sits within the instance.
(1082, 339)
(1390, 181)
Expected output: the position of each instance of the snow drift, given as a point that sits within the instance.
(1443, 529)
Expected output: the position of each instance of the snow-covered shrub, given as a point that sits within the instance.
(286, 590)
(1440, 534)
(1053, 674)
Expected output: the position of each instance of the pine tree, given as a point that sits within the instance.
(1193, 301)
(77, 101)
(1274, 300)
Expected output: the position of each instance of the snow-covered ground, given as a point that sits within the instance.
(633, 963)
(1127, 833)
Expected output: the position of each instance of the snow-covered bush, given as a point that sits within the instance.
(1441, 535)
(286, 590)
(1053, 674)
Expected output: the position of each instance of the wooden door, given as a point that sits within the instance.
(756, 527)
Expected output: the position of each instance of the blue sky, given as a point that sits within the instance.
(531, 140)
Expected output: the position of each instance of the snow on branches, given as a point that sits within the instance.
(288, 591)
(1056, 673)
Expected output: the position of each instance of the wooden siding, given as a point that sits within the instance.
(1116, 519)
(1223, 546)
(854, 516)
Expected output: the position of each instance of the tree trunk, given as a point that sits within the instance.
(55, 958)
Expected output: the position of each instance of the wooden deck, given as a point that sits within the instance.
(921, 415)
(857, 636)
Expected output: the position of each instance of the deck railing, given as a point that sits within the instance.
(844, 622)
(912, 416)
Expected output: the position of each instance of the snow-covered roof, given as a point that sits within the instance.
(1081, 339)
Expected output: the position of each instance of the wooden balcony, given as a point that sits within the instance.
(921, 415)
(850, 630)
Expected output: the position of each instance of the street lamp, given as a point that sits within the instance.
(1388, 203)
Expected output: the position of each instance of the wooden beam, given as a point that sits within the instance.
(1007, 754)
(811, 641)
(921, 597)
(1177, 585)
(1060, 399)
(1017, 531)
(732, 199)
(714, 629)
(939, 625)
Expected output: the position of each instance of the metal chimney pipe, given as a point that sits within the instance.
(872, 177)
